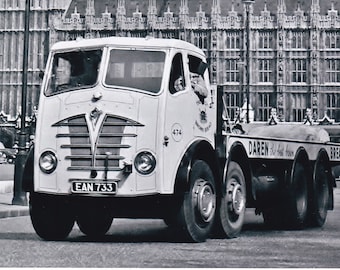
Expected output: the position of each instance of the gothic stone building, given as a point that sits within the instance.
(294, 48)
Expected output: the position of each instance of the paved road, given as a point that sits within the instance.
(149, 243)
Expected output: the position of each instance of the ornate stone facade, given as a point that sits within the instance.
(294, 56)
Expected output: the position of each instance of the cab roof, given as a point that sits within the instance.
(148, 42)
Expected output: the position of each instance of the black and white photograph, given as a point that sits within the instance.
(170, 134)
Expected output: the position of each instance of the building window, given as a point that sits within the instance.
(332, 41)
(299, 106)
(265, 70)
(232, 104)
(265, 40)
(298, 40)
(2, 51)
(232, 71)
(142, 34)
(168, 34)
(232, 41)
(333, 71)
(299, 70)
(333, 105)
(201, 41)
(264, 106)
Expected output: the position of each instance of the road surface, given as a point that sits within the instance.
(149, 243)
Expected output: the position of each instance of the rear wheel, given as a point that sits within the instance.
(319, 204)
(51, 218)
(233, 201)
(197, 213)
(296, 210)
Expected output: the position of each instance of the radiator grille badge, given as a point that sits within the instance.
(94, 117)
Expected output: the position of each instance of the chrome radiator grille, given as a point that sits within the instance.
(100, 151)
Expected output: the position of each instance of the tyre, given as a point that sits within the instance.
(320, 198)
(233, 201)
(94, 222)
(297, 199)
(51, 217)
(197, 213)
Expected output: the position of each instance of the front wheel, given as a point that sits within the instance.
(196, 216)
(233, 201)
(51, 217)
(94, 221)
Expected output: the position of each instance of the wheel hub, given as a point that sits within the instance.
(237, 201)
(206, 200)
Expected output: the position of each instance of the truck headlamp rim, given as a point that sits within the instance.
(145, 162)
(48, 162)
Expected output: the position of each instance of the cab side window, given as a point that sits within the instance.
(197, 69)
(177, 80)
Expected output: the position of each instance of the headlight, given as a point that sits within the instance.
(145, 162)
(48, 162)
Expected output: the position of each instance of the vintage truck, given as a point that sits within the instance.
(123, 132)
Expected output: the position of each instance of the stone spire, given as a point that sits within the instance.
(215, 13)
(152, 16)
(106, 16)
(281, 12)
(90, 8)
(281, 7)
(183, 13)
(59, 4)
(184, 8)
(315, 12)
(120, 14)
(216, 8)
(75, 16)
(315, 7)
(152, 9)
(298, 11)
(232, 12)
(332, 12)
(89, 17)
(265, 12)
(121, 11)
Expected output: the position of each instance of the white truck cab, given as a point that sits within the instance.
(117, 116)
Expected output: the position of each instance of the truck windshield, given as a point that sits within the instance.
(136, 69)
(72, 70)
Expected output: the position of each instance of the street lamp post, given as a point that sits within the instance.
(247, 4)
(19, 197)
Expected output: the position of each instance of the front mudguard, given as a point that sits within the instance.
(199, 150)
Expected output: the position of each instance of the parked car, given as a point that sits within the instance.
(7, 155)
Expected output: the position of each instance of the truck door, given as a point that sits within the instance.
(178, 119)
(189, 112)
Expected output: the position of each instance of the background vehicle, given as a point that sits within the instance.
(115, 138)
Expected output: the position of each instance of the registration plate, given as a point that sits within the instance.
(94, 187)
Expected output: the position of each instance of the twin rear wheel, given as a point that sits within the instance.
(198, 213)
(320, 195)
(305, 201)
